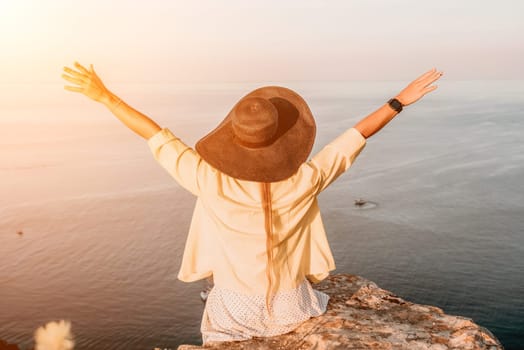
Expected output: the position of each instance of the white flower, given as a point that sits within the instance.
(54, 336)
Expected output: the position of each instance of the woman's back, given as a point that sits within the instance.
(236, 220)
(227, 237)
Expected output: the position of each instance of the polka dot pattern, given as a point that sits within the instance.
(229, 315)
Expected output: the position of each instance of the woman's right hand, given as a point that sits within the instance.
(87, 81)
(419, 87)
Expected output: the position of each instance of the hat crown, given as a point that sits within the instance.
(254, 121)
(276, 154)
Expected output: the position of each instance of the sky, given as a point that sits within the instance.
(167, 41)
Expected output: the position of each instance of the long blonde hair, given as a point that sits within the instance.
(268, 223)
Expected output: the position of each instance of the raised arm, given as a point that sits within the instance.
(336, 157)
(88, 83)
(412, 93)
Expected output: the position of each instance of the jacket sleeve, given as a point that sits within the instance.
(336, 157)
(179, 160)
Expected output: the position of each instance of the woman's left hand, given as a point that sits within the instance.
(87, 81)
(419, 87)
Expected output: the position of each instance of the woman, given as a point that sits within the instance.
(256, 227)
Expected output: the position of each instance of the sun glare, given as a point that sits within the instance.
(16, 18)
(10, 10)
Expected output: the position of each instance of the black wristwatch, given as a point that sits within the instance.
(395, 104)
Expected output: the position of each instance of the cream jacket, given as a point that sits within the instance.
(227, 238)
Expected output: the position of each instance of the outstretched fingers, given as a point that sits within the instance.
(432, 77)
(73, 80)
(73, 88)
(425, 75)
(75, 73)
(428, 77)
(80, 77)
(429, 89)
(82, 68)
(425, 86)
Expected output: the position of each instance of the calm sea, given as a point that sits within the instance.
(103, 225)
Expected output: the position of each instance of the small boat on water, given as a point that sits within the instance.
(360, 201)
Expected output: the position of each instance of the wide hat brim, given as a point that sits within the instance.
(277, 161)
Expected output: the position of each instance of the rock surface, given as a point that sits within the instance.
(361, 315)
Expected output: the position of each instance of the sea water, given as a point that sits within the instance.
(92, 230)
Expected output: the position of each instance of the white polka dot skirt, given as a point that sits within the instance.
(230, 316)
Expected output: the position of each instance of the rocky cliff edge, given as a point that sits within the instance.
(362, 315)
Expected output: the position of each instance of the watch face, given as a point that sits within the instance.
(395, 104)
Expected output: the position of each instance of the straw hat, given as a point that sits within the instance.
(267, 135)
